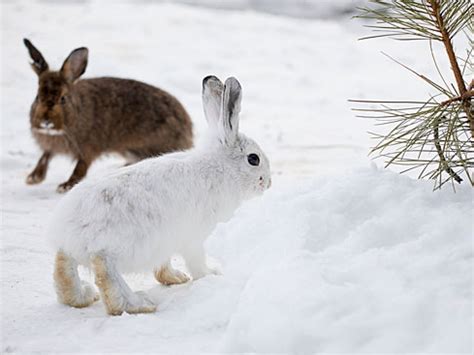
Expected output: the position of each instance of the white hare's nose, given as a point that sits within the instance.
(265, 184)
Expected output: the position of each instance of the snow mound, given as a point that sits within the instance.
(365, 262)
(368, 262)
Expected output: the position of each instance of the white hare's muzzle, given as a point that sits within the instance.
(265, 184)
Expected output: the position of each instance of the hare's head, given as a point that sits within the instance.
(53, 98)
(222, 107)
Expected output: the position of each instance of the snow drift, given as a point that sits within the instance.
(370, 262)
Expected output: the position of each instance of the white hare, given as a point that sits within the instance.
(138, 217)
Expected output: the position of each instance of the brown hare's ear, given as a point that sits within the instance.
(75, 65)
(39, 65)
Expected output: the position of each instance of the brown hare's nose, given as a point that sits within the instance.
(46, 124)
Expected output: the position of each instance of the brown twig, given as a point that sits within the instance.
(465, 96)
(435, 6)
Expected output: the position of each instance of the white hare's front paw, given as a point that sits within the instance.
(168, 276)
(214, 270)
(196, 262)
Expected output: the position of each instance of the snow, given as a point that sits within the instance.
(322, 9)
(356, 274)
(336, 257)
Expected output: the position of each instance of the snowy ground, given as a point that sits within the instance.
(337, 257)
(321, 9)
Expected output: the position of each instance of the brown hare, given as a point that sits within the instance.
(86, 118)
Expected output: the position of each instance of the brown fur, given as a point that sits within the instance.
(103, 282)
(102, 115)
(68, 287)
(114, 301)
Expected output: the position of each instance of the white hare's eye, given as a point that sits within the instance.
(253, 159)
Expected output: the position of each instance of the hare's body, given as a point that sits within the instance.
(135, 119)
(138, 217)
(132, 215)
(89, 117)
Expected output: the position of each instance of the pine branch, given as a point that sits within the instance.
(465, 96)
(442, 158)
(436, 135)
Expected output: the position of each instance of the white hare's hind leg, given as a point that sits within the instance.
(116, 294)
(69, 288)
(167, 275)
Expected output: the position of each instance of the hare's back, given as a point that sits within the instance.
(132, 115)
(132, 208)
(126, 96)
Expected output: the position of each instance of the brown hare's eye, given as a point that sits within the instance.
(62, 100)
(253, 159)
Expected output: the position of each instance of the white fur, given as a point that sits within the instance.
(142, 214)
(49, 131)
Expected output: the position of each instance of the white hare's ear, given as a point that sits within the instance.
(212, 89)
(230, 109)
